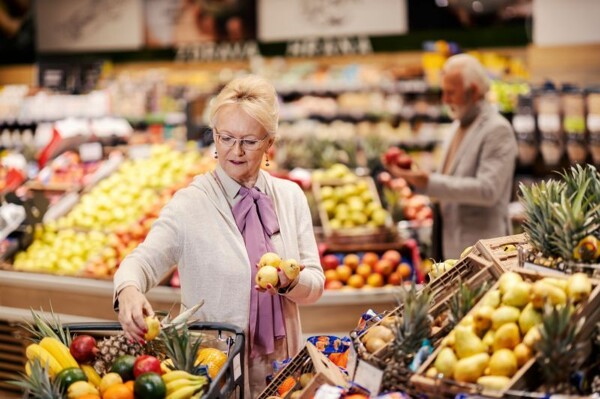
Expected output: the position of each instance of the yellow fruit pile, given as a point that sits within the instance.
(498, 337)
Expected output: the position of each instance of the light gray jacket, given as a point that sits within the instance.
(474, 196)
(196, 230)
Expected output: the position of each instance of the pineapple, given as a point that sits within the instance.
(113, 347)
(38, 384)
(47, 327)
(181, 347)
(558, 351)
(411, 331)
(463, 301)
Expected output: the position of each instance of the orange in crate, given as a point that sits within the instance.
(130, 384)
(286, 385)
(89, 396)
(118, 391)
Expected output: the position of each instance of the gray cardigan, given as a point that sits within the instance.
(474, 196)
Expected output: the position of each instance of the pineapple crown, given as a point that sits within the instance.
(415, 325)
(181, 346)
(38, 384)
(47, 326)
(464, 300)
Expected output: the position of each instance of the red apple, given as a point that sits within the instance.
(333, 285)
(394, 279)
(404, 161)
(330, 262)
(370, 258)
(392, 154)
(393, 256)
(146, 364)
(384, 267)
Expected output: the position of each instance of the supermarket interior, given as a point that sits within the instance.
(431, 166)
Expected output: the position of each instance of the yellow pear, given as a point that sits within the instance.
(523, 353)
(507, 336)
(517, 295)
(269, 258)
(541, 291)
(557, 282)
(495, 382)
(267, 275)
(504, 314)
(381, 332)
(467, 320)
(503, 363)
(532, 336)
(374, 344)
(492, 299)
(291, 268)
(508, 279)
(445, 362)
(471, 368)
(488, 339)
(579, 287)
(449, 340)
(482, 319)
(529, 318)
(466, 251)
(467, 343)
(431, 372)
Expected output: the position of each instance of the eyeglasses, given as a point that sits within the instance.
(247, 144)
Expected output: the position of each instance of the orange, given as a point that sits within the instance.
(129, 384)
(213, 358)
(404, 270)
(118, 391)
(89, 396)
(286, 386)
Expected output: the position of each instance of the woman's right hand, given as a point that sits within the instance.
(133, 309)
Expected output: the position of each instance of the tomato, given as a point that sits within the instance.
(70, 375)
(149, 386)
(146, 364)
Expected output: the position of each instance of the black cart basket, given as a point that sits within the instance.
(229, 382)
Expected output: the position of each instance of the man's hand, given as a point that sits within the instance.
(415, 177)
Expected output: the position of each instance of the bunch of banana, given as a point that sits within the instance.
(51, 352)
(183, 385)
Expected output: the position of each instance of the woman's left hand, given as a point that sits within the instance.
(284, 282)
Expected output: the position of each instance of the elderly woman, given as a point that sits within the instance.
(217, 229)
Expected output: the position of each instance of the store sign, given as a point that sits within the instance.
(329, 46)
(225, 51)
(283, 20)
(89, 25)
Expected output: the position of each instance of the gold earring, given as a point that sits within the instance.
(267, 160)
(216, 155)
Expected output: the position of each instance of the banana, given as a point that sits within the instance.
(91, 375)
(80, 388)
(177, 375)
(34, 351)
(179, 384)
(184, 393)
(59, 351)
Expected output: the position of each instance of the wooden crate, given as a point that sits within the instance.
(308, 360)
(358, 234)
(527, 377)
(472, 270)
(493, 250)
(12, 357)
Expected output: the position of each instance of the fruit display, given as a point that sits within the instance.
(563, 221)
(348, 202)
(67, 171)
(369, 270)
(500, 338)
(403, 203)
(172, 363)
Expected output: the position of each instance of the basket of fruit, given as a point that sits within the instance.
(503, 251)
(523, 328)
(351, 211)
(95, 360)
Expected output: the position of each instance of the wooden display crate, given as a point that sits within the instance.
(493, 249)
(527, 377)
(472, 270)
(308, 360)
(358, 234)
(12, 357)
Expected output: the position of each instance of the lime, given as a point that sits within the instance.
(149, 386)
(124, 367)
(69, 375)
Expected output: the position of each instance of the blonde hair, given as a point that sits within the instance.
(255, 95)
(471, 71)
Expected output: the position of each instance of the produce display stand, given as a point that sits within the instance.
(494, 250)
(526, 378)
(229, 382)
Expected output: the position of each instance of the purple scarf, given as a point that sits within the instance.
(257, 221)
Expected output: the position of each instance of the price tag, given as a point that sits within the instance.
(549, 122)
(368, 376)
(593, 122)
(140, 151)
(90, 152)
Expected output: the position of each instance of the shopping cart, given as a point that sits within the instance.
(229, 382)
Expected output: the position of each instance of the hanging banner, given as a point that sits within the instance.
(281, 20)
(89, 25)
